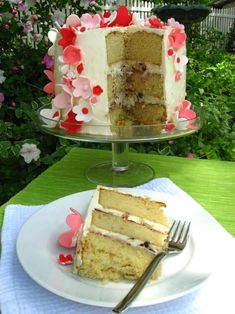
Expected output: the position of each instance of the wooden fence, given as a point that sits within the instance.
(220, 19)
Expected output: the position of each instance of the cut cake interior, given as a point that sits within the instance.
(121, 235)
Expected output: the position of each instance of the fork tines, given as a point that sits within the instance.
(179, 232)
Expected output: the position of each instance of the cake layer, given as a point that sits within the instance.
(129, 226)
(147, 114)
(143, 207)
(134, 45)
(113, 259)
(143, 46)
(115, 47)
(149, 84)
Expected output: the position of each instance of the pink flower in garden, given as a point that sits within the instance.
(34, 18)
(2, 97)
(190, 155)
(30, 152)
(170, 142)
(13, 103)
(28, 27)
(48, 61)
(82, 87)
(21, 6)
(90, 21)
(14, 11)
(177, 38)
(72, 55)
(37, 36)
(49, 88)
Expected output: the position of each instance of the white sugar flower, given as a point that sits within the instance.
(83, 111)
(29, 152)
(2, 77)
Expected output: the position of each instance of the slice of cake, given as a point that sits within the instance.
(113, 70)
(121, 235)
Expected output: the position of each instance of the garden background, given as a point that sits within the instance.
(23, 42)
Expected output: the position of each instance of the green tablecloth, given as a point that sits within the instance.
(211, 183)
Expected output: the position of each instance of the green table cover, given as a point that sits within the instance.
(210, 182)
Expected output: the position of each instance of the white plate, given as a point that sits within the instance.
(38, 251)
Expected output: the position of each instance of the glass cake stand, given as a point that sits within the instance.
(120, 171)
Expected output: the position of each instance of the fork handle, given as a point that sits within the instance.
(139, 285)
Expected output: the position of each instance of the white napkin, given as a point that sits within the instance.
(19, 294)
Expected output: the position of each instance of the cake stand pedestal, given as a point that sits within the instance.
(120, 171)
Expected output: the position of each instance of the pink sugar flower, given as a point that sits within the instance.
(184, 117)
(62, 101)
(174, 24)
(185, 111)
(178, 76)
(90, 21)
(82, 87)
(49, 88)
(177, 38)
(72, 55)
(73, 20)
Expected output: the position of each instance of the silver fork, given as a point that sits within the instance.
(176, 242)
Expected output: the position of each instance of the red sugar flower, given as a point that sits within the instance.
(155, 22)
(72, 54)
(97, 90)
(71, 124)
(65, 259)
(124, 17)
(68, 37)
(177, 38)
(80, 68)
(169, 127)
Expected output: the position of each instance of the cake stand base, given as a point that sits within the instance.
(135, 174)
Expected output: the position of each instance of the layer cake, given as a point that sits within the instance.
(121, 235)
(114, 70)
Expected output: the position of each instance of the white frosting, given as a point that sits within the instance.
(138, 220)
(94, 58)
(174, 92)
